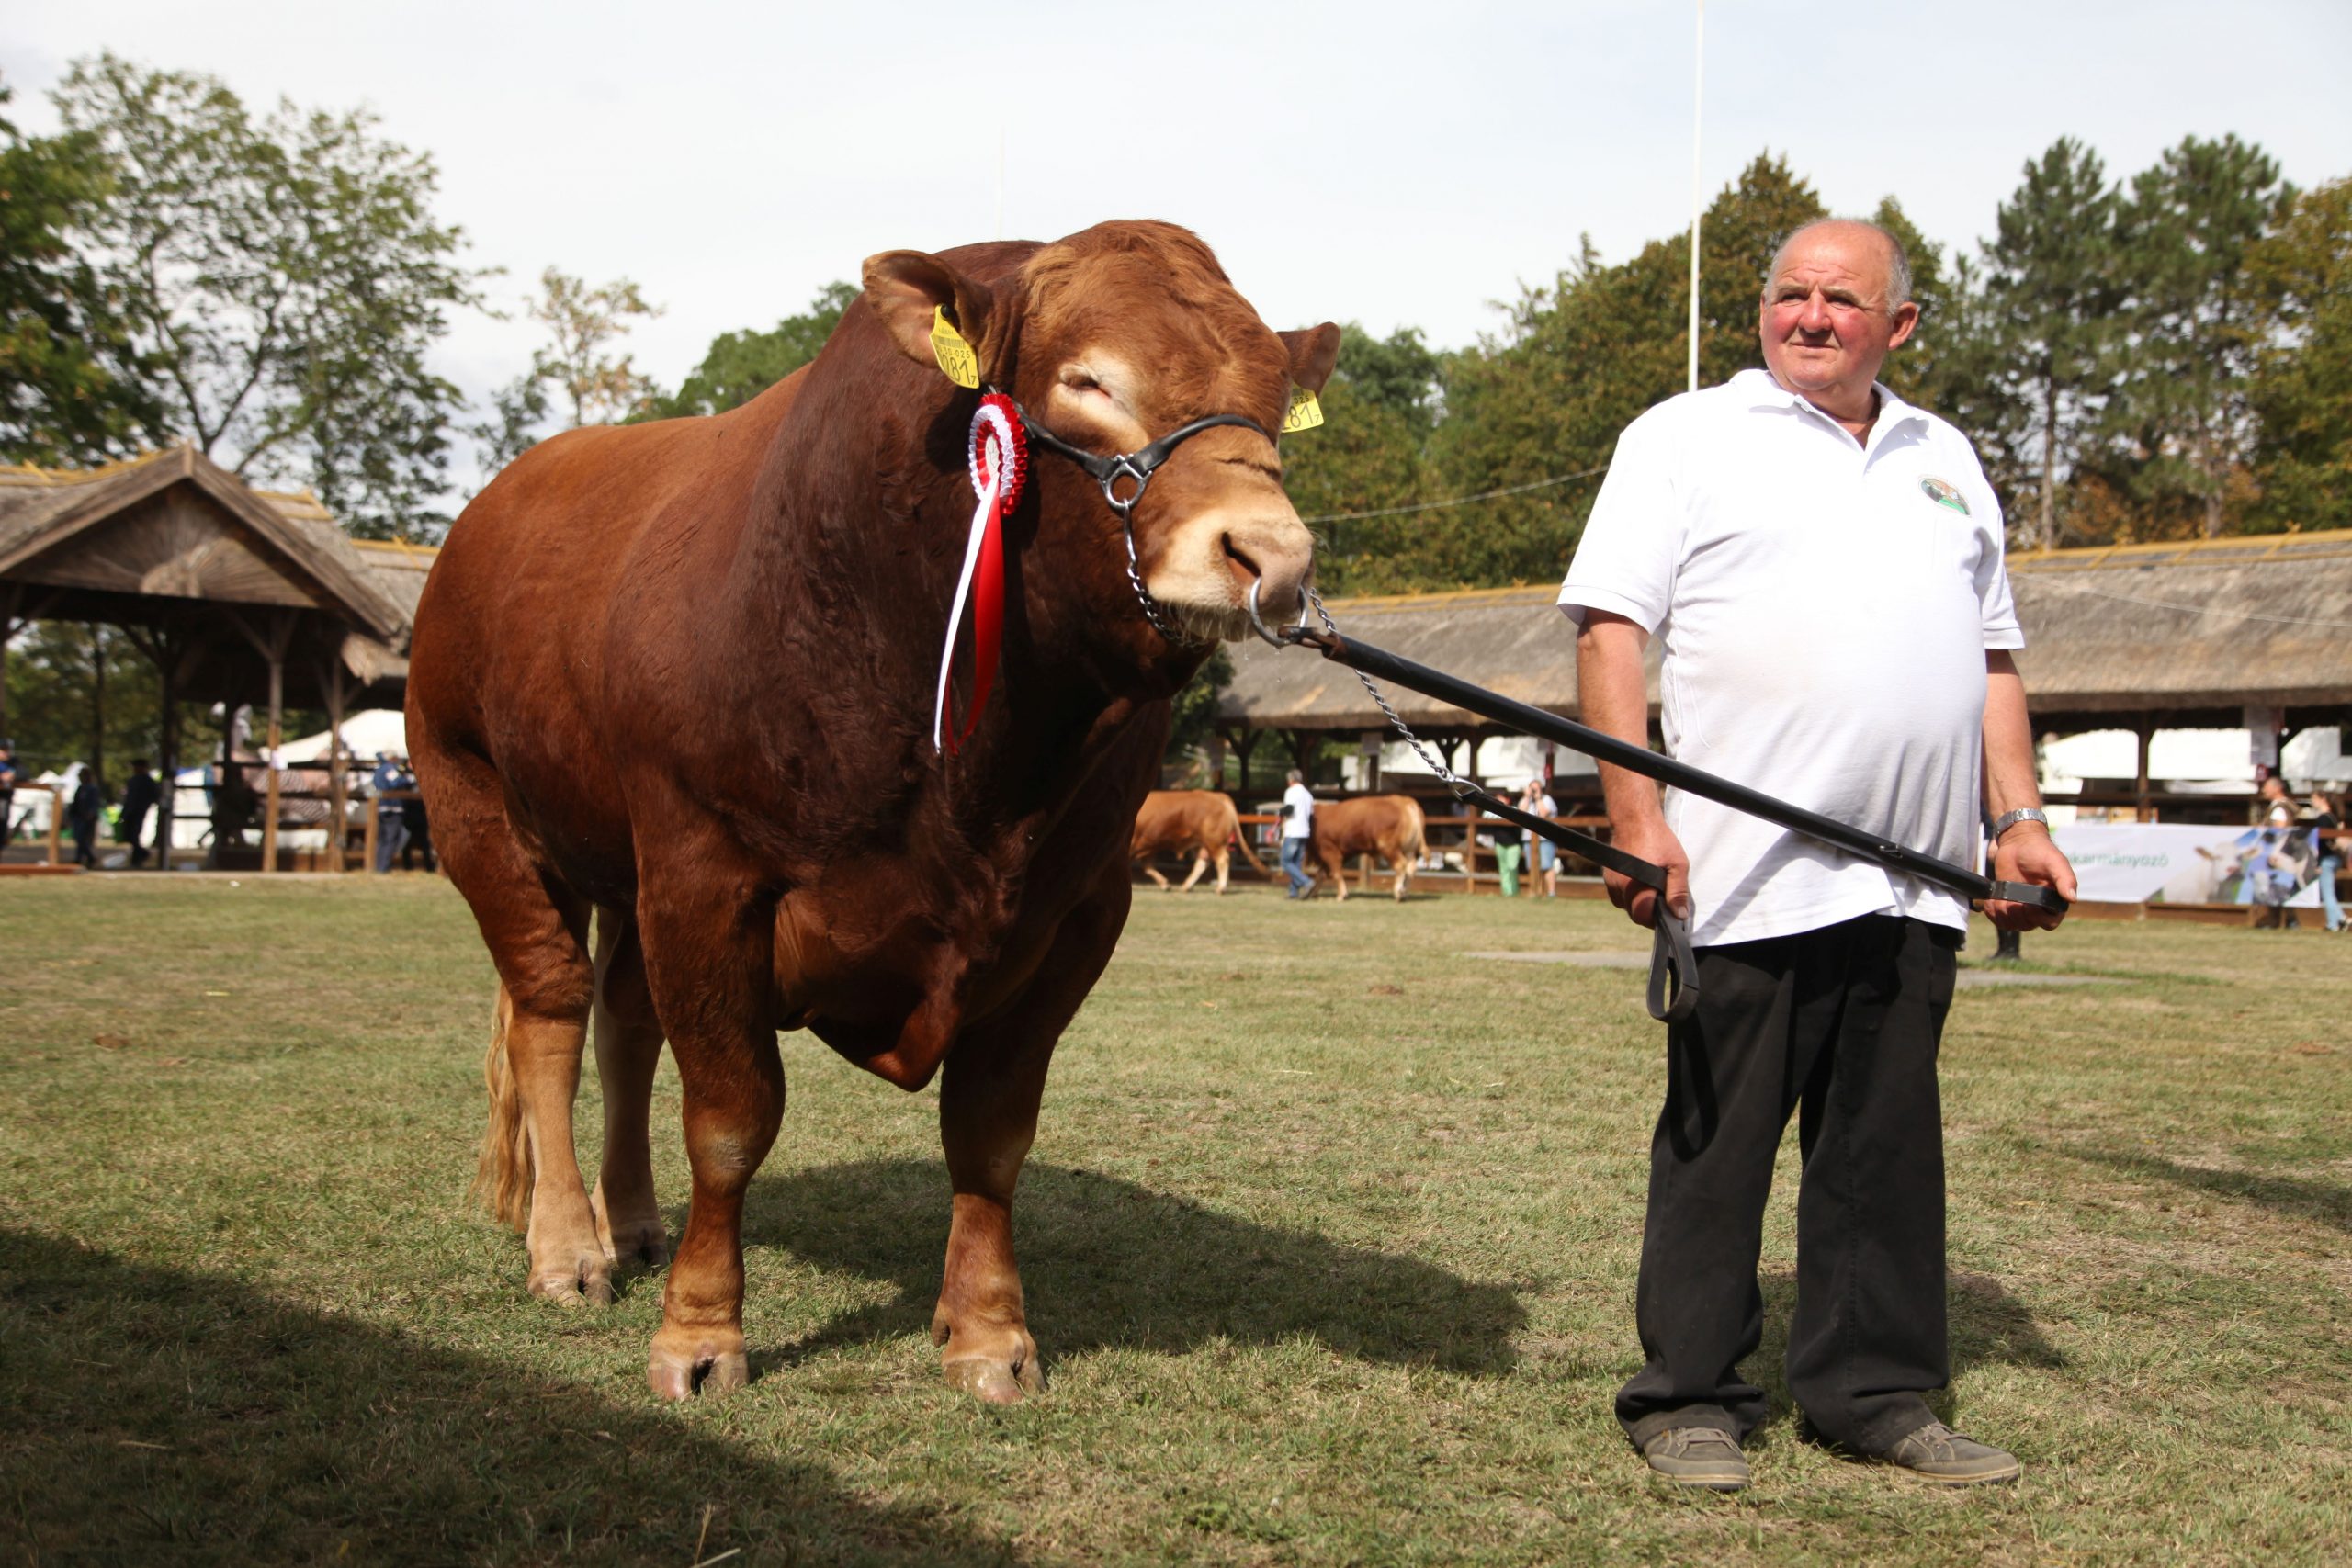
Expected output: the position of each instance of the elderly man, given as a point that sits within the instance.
(1822, 565)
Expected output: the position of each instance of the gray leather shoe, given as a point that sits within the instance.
(1698, 1456)
(1935, 1452)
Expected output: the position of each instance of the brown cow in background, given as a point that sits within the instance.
(1389, 826)
(680, 675)
(1173, 821)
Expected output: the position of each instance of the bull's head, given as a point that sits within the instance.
(1112, 339)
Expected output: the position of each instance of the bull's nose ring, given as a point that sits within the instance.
(1258, 622)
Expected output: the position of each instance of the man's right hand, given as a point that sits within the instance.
(1654, 841)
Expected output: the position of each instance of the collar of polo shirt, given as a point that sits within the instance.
(1763, 392)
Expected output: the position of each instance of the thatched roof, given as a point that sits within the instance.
(113, 532)
(2191, 632)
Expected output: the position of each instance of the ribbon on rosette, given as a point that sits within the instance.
(997, 453)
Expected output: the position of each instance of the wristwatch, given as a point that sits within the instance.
(2008, 820)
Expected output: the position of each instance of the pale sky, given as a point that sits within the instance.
(1402, 164)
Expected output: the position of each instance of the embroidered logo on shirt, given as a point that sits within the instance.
(1943, 492)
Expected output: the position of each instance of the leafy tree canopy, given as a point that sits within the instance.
(72, 385)
(285, 280)
(742, 365)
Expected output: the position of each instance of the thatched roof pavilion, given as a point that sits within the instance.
(233, 591)
(2139, 637)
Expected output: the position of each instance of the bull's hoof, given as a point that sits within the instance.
(710, 1364)
(645, 1241)
(992, 1381)
(584, 1280)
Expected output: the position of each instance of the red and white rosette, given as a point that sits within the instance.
(998, 452)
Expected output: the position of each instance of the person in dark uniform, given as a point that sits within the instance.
(139, 797)
(82, 814)
(420, 833)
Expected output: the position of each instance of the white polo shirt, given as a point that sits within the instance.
(1299, 813)
(1823, 607)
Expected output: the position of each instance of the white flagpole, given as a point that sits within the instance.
(1698, 95)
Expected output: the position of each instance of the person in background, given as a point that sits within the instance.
(391, 822)
(1298, 826)
(8, 772)
(2325, 817)
(2266, 890)
(81, 814)
(420, 833)
(140, 795)
(1536, 801)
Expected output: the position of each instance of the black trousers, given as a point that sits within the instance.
(1839, 1025)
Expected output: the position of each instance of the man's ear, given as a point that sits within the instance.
(1313, 353)
(1906, 322)
(906, 287)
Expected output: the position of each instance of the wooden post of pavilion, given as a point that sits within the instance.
(2145, 730)
(331, 686)
(173, 658)
(273, 649)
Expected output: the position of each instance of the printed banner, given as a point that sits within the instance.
(2166, 862)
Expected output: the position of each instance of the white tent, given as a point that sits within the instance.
(367, 735)
(2194, 760)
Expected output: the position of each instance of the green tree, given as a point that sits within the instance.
(1366, 458)
(287, 279)
(75, 690)
(1195, 718)
(1398, 373)
(1546, 399)
(2051, 297)
(72, 387)
(2301, 389)
(585, 325)
(742, 365)
(2181, 430)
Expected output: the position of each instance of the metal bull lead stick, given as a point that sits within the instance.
(1379, 662)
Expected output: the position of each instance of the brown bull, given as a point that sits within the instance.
(1389, 826)
(681, 675)
(1202, 822)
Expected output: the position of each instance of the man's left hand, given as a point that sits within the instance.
(2027, 853)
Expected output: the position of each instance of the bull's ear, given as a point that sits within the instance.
(1313, 352)
(908, 289)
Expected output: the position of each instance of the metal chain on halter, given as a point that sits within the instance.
(1126, 509)
(1462, 791)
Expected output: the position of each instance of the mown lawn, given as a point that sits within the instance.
(1329, 1239)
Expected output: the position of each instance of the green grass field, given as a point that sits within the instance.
(1328, 1236)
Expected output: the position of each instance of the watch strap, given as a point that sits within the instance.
(2008, 820)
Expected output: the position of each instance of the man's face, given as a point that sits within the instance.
(1826, 320)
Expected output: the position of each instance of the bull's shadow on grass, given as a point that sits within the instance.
(1986, 1324)
(2295, 1197)
(161, 1416)
(1108, 1263)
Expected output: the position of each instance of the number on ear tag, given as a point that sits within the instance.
(956, 356)
(1304, 412)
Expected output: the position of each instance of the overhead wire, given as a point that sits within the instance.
(1457, 500)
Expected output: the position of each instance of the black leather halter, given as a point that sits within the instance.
(1135, 466)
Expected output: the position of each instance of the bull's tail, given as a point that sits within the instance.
(502, 1176)
(1242, 839)
(1411, 844)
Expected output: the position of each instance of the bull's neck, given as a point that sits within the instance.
(856, 540)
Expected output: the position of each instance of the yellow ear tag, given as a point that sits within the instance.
(956, 355)
(1304, 412)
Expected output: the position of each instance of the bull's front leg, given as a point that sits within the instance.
(988, 1118)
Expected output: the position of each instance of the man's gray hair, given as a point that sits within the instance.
(1296, 776)
(1899, 259)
